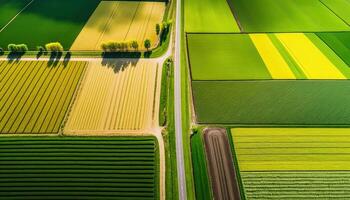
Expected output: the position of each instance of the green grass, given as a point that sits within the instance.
(36, 95)
(340, 7)
(302, 102)
(209, 16)
(164, 93)
(286, 16)
(88, 167)
(224, 57)
(49, 21)
(9, 9)
(199, 163)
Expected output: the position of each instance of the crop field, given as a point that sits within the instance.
(293, 162)
(35, 95)
(293, 102)
(120, 21)
(109, 168)
(48, 21)
(116, 95)
(9, 9)
(340, 8)
(209, 16)
(287, 16)
(263, 56)
(339, 43)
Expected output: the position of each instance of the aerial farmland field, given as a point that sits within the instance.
(293, 162)
(79, 167)
(9, 9)
(35, 95)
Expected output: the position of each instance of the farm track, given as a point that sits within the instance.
(221, 169)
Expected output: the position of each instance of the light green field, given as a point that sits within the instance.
(34, 96)
(340, 7)
(224, 57)
(286, 16)
(209, 16)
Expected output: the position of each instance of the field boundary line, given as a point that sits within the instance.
(25, 7)
(235, 16)
(328, 8)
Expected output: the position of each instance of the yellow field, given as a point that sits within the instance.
(119, 96)
(273, 60)
(120, 21)
(313, 62)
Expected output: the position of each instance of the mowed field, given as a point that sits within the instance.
(79, 168)
(287, 16)
(117, 95)
(47, 21)
(121, 21)
(35, 95)
(303, 163)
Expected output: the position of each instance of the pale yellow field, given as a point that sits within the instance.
(116, 98)
(120, 21)
(313, 62)
(273, 60)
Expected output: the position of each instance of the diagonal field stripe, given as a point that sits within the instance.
(273, 60)
(312, 61)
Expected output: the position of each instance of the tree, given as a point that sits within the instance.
(157, 29)
(134, 44)
(17, 48)
(54, 47)
(147, 44)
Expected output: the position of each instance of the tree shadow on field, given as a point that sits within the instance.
(67, 58)
(118, 64)
(14, 57)
(54, 59)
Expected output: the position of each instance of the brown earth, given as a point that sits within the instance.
(220, 163)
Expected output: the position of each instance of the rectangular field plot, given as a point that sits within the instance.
(116, 95)
(48, 21)
(286, 16)
(35, 95)
(272, 102)
(298, 163)
(209, 16)
(120, 21)
(44, 168)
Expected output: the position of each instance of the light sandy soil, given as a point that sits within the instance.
(120, 21)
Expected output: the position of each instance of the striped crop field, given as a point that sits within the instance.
(120, 95)
(120, 21)
(35, 95)
(300, 163)
(79, 168)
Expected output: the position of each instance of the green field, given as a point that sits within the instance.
(340, 8)
(339, 43)
(35, 95)
(209, 16)
(301, 102)
(49, 21)
(79, 168)
(224, 57)
(9, 9)
(299, 163)
(286, 16)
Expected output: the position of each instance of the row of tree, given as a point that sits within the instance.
(124, 46)
(22, 48)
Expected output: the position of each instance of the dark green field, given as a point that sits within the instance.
(49, 21)
(79, 168)
(9, 9)
(302, 102)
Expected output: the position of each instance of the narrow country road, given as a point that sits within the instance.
(177, 102)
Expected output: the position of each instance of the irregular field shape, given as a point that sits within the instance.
(49, 21)
(209, 16)
(310, 59)
(9, 9)
(117, 95)
(286, 16)
(273, 60)
(91, 167)
(224, 57)
(340, 7)
(293, 102)
(35, 95)
(120, 21)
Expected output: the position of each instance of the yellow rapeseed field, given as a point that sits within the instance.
(120, 21)
(117, 96)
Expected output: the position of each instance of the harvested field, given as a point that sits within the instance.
(117, 95)
(120, 21)
(302, 102)
(35, 95)
(79, 168)
(48, 21)
(221, 169)
(287, 16)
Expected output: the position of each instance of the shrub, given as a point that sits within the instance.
(147, 44)
(134, 44)
(40, 49)
(54, 47)
(17, 48)
(157, 29)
